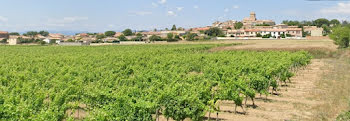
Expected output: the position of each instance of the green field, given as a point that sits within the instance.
(136, 82)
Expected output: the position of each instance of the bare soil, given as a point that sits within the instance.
(294, 102)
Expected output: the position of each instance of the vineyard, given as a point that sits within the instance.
(135, 83)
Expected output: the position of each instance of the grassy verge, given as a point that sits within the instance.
(334, 85)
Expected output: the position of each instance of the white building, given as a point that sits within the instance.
(47, 40)
(13, 41)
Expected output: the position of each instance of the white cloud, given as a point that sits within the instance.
(179, 8)
(340, 8)
(3, 19)
(171, 13)
(162, 1)
(235, 7)
(196, 7)
(227, 10)
(140, 13)
(154, 4)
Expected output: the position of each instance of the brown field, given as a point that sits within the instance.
(319, 92)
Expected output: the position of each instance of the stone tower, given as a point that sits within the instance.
(253, 16)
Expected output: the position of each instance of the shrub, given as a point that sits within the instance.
(344, 117)
(258, 35)
(155, 38)
(267, 36)
(222, 35)
(341, 36)
(283, 36)
(190, 36)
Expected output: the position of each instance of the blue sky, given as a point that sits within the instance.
(102, 15)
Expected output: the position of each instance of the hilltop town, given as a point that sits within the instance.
(248, 28)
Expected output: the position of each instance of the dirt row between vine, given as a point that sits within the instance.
(294, 102)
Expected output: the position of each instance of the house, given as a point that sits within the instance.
(40, 37)
(295, 32)
(4, 35)
(314, 31)
(274, 32)
(13, 41)
(110, 39)
(83, 35)
(56, 36)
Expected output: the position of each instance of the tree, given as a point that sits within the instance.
(214, 32)
(177, 38)
(155, 38)
(238, 25)
(44, 33)
(3, 41)
(264, 24)
(341, 36)
(70, 40)
(190, 36)
(31, 33)
(291, 23)
(170, 36)
(100, 36)
(181, 29)
(110, 33)
(173, 28)
(322, 21)
(335, 22)
(122, 38)
(14, 33)
(326, 29)
(127, 32)
(139, 37)
(345, 23)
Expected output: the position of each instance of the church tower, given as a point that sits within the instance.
(253, 16)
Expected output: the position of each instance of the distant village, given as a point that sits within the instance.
(248, 28)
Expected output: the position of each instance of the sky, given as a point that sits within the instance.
(117, 15)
